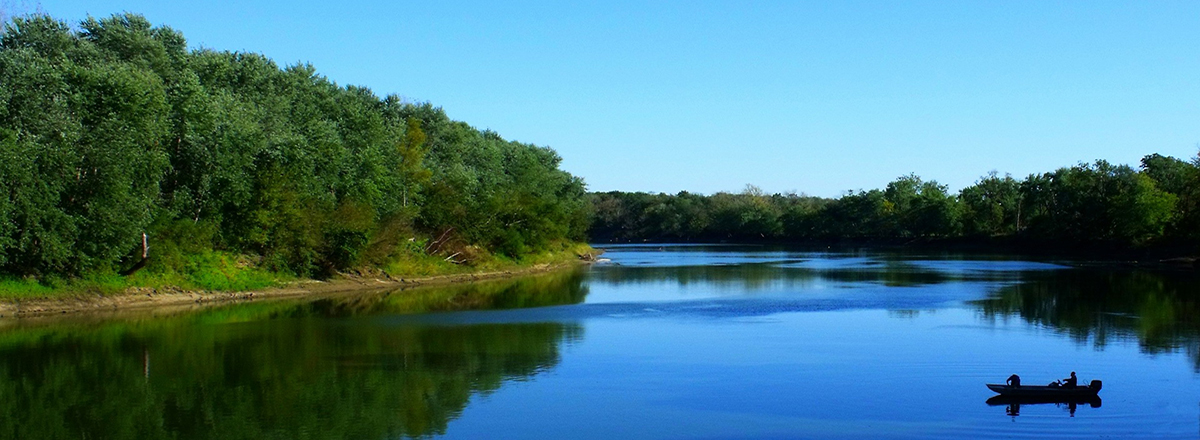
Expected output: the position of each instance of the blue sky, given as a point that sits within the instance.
(813, 97)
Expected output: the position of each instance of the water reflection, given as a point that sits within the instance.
(277, 370)
(1160, 310)
(758, 275)
(539, 291)
(1013, 404)
(766, 356)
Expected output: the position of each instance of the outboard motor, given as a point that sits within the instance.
(1095, 385)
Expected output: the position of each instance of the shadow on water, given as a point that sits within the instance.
(277, 370)
(1160, 310)
(1013, 404)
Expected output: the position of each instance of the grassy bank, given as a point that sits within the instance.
(207, 271)
(417, 264)
(223, 272)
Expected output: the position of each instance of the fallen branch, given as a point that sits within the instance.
(436, 245)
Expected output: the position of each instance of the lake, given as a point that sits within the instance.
(664, 342)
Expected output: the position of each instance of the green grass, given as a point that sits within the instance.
(415, 264)
(23, 288)
(222, 271)
(209, 270)
(412, 264)
(30, 288)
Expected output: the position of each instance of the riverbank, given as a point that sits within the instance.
(172, 298)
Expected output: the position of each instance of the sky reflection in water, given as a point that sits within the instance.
(672, 342)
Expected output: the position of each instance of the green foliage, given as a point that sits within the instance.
(1088, 203)
(992, 206)
(485, 190)
(22, 288)
(116, 130)
(915, 208)
(747, 215)
(1097, 202)
(189, 376)
(412, 149)
(1181, 179)
(1168, 173)
(856, 215)
(216, 271)
(83, 131)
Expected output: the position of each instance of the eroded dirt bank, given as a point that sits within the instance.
(144, 300)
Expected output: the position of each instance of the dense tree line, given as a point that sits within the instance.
(116, 129)
(1097, 203)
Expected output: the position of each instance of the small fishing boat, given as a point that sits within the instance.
(1049, 391)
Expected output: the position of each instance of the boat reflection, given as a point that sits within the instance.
(1014, 403)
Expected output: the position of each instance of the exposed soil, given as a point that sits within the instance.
(172, 300)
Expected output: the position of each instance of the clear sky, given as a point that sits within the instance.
(814, 97)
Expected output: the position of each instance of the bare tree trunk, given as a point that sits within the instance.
(145, 258)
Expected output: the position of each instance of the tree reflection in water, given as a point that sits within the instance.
(1161, 310)
(755, 276)
(276, 370)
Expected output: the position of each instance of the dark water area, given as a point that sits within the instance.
(671, 341)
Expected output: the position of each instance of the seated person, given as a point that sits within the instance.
(1014, 380)
(1070, 381)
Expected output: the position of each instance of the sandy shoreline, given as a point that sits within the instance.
(148, 300)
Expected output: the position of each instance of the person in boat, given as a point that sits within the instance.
(1070, 382)
(1014, 381)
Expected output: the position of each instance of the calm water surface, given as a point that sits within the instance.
(687, 342)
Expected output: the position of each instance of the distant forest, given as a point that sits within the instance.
(115, 129)
(1088, 204)
(114, 135)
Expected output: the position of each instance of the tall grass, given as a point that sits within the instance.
(416, 264)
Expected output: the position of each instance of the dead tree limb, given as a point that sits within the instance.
(436, 245)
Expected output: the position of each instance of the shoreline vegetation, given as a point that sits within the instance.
(129, 162)
(169, 298)
(135, 167)
(1097, 210)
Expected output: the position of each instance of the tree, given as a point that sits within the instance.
(992, 206)
(412, 152)
(116, 130)
(1097, 202)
